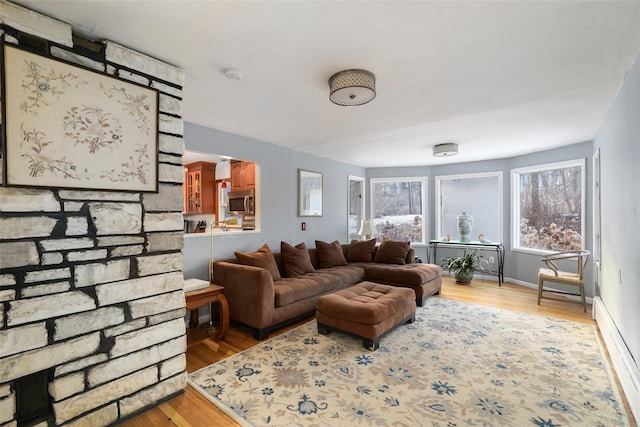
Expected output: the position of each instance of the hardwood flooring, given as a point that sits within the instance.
(191, 409)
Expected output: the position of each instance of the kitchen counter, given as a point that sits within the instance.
(218, 232)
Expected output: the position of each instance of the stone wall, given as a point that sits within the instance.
(91, 281)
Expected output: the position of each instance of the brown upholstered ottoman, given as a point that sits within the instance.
(366, 310)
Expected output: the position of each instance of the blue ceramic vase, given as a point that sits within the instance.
(465, 224)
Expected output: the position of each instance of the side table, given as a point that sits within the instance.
(433, 246)
(198, 298)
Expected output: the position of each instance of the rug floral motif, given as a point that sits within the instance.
(458, 364)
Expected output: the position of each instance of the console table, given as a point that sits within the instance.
(201, 297)
(433, 246)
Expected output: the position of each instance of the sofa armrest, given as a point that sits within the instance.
(250, 292)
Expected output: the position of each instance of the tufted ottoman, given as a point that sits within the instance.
(366, 310)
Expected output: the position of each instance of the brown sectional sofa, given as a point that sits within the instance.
(265, 299)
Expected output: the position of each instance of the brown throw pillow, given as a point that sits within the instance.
(361, 250)
(295, 259)
(392, 252)
(263, 257)
(330, 254)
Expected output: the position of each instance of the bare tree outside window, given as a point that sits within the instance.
(397, 208)
(549, 206)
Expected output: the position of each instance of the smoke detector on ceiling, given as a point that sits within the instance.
(233, 74)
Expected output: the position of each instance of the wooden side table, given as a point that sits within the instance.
(198, 298)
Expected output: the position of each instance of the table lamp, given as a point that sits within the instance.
(367, 228)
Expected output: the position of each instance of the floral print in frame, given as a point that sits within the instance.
(71, 127)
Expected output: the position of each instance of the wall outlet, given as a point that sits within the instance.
(491, 260)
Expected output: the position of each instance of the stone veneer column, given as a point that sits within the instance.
(91, 281)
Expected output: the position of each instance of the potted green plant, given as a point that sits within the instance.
(464, 266)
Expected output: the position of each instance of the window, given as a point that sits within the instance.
(398, 207)
(548, 207)
(477, 194)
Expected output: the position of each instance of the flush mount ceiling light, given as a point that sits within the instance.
(445, 150)
(352, 87)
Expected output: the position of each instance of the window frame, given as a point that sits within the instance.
(424, 180)
(515, 201)
(438, 198)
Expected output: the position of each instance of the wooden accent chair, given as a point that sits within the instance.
(553, 274)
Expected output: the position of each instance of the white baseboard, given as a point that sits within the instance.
(627, 371)
(589, 300)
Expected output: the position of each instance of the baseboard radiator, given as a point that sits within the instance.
(623, 363)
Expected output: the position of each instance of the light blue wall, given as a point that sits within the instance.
(619, 144)
(521, 267)
(278, 198)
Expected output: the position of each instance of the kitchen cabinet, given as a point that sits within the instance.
(243, 175)
(200, 188)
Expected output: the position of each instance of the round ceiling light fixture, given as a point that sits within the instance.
(445, 150)
(352, 87)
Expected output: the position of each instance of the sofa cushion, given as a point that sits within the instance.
(263, 257)
(296, 259)
(361, 250)
(342, 275)
(288, 290)
(392, 252)
(330, 254)
(292, 289)
(408, 274)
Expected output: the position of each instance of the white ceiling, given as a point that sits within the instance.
(498, 78)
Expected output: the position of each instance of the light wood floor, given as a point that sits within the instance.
(191, 409)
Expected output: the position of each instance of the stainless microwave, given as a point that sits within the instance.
(241, 202)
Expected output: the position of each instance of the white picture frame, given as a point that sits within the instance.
(309, 193)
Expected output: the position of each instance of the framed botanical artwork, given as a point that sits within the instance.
(66, 126)
(309, 193)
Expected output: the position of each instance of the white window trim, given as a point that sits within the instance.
(425, 191)
(515, 201)
(438, 197)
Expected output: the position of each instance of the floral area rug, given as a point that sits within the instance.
(458, 364)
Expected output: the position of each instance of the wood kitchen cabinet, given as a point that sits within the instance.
(243, 175)
(200, 188)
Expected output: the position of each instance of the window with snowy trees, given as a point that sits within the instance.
(548, 207)
(398, 208)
